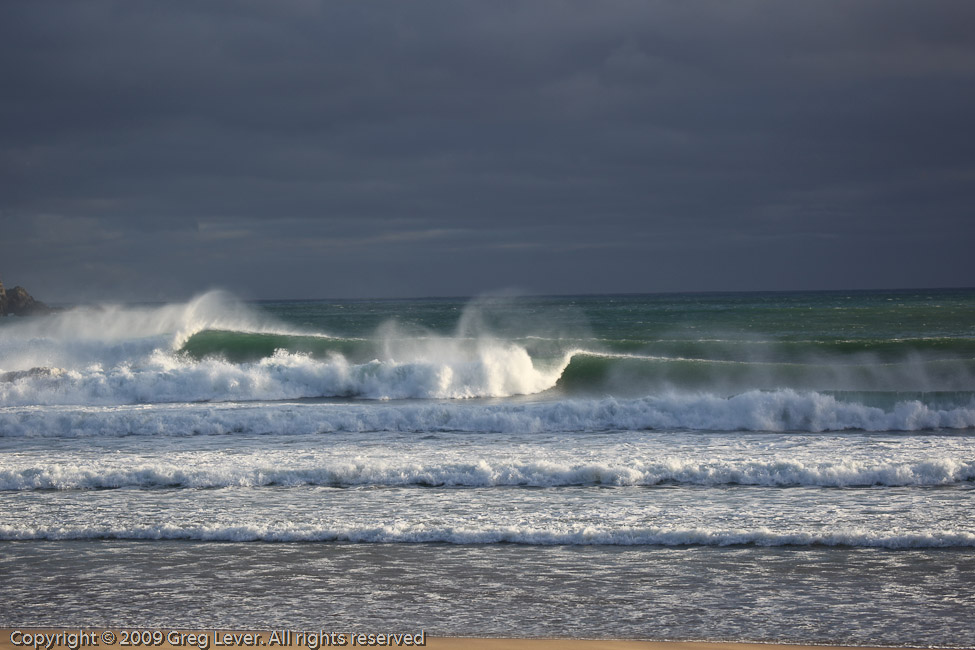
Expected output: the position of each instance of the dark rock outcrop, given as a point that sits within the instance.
(18, 302)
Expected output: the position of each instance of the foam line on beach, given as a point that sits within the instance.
(782, 472)
(412, 533)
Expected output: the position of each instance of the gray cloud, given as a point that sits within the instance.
(302, 149)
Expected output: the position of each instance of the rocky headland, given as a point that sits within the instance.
(17, 302)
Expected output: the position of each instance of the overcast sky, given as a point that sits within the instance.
(301, 149)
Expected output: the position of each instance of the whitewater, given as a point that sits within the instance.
(684, 442)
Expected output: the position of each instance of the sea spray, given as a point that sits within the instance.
(111, 335)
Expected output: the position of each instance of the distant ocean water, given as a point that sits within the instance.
(791, 467)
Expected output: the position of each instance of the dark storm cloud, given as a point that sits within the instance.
(401, 148)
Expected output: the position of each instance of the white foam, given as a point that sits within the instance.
(406, 532)
(782, 410)
(251, 472)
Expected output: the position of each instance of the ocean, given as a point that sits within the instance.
(792, 467)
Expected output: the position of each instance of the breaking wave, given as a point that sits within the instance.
(491, 370)
(783, 410)
(217, 349)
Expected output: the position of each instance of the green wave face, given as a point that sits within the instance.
(248, 347)
(798, 351)
(634, 375)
